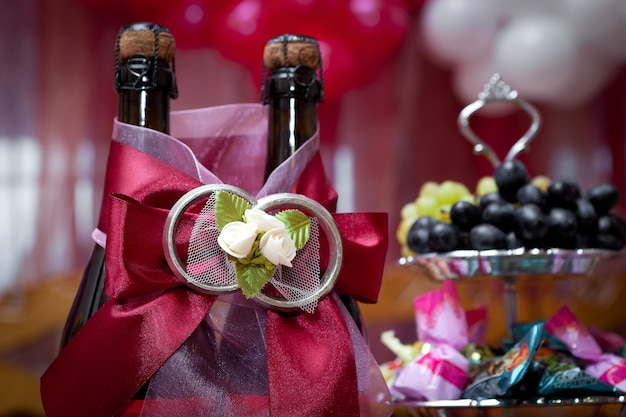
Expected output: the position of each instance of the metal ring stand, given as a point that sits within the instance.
(271, 202)
(497, 90)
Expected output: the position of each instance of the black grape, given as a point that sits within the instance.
(510, 176)
(603, 197)
(418, 234)
(611, 233)
(489, 198)
(512, 241)
(563, 193)
(499, 214)
(487, 236)
(562, 228)
(586, 216)
(531, 223)
(465, 215)
(444, 237)
(531, 194)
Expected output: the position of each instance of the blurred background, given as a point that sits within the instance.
(397, 73)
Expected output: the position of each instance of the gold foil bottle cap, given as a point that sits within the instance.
(139, 38)
(291, 51)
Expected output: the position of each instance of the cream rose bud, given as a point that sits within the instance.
(237, 238)
(263, 220)
(277, 247)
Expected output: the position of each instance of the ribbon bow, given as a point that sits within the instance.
(135, 332)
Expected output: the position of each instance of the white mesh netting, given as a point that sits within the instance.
(209, 265)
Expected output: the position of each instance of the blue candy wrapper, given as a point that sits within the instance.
(496, 377)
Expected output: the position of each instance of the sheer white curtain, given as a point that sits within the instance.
(20, 152)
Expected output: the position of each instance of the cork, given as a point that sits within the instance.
(141, 41)
(301, 50)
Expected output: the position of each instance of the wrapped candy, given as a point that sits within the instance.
(608, 341)
(440, 373)
(498, 376)
(606, 367)
(477, 325)
(561, 375)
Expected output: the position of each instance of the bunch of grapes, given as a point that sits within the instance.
(433, 202)
(509, 211)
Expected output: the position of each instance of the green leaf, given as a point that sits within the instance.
(298, 226)
(252, 278)
(229, 208)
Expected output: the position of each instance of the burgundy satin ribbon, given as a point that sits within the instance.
(140, 327)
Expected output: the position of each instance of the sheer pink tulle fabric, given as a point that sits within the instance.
(222, 368)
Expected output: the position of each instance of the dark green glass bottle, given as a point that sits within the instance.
(145, 80)
(292, 90)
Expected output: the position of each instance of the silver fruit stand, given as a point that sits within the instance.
(508, 266)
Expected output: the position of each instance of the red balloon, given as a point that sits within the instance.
(376, 29)
(414, 5)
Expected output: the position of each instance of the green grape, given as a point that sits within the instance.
(409, 211)
(486, 185)
(469, 198)
(429, 188)
(449, 192)
(427, 206)
(403, 229)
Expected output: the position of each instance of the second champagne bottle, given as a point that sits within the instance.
(292, 88)
(145, 80)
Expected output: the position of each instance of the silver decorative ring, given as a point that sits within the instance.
(169, 235)
(328, 225)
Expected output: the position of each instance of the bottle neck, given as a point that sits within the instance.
(146, 108)
(292, 122)
(144, 92)
(292, 97)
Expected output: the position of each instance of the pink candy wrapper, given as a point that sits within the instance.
(441, 373)
(606, 367)
(477, 325)
(608, 341)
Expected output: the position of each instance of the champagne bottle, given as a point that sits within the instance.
(145, 81)
(292, 90)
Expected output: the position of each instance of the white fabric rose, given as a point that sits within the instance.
(277, 247)
(237, 238)
(263, 220)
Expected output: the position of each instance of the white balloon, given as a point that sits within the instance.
(537, 55)
(593, 72)
(595, 21)
(614, 44)
(456, 30)
(516, 8)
